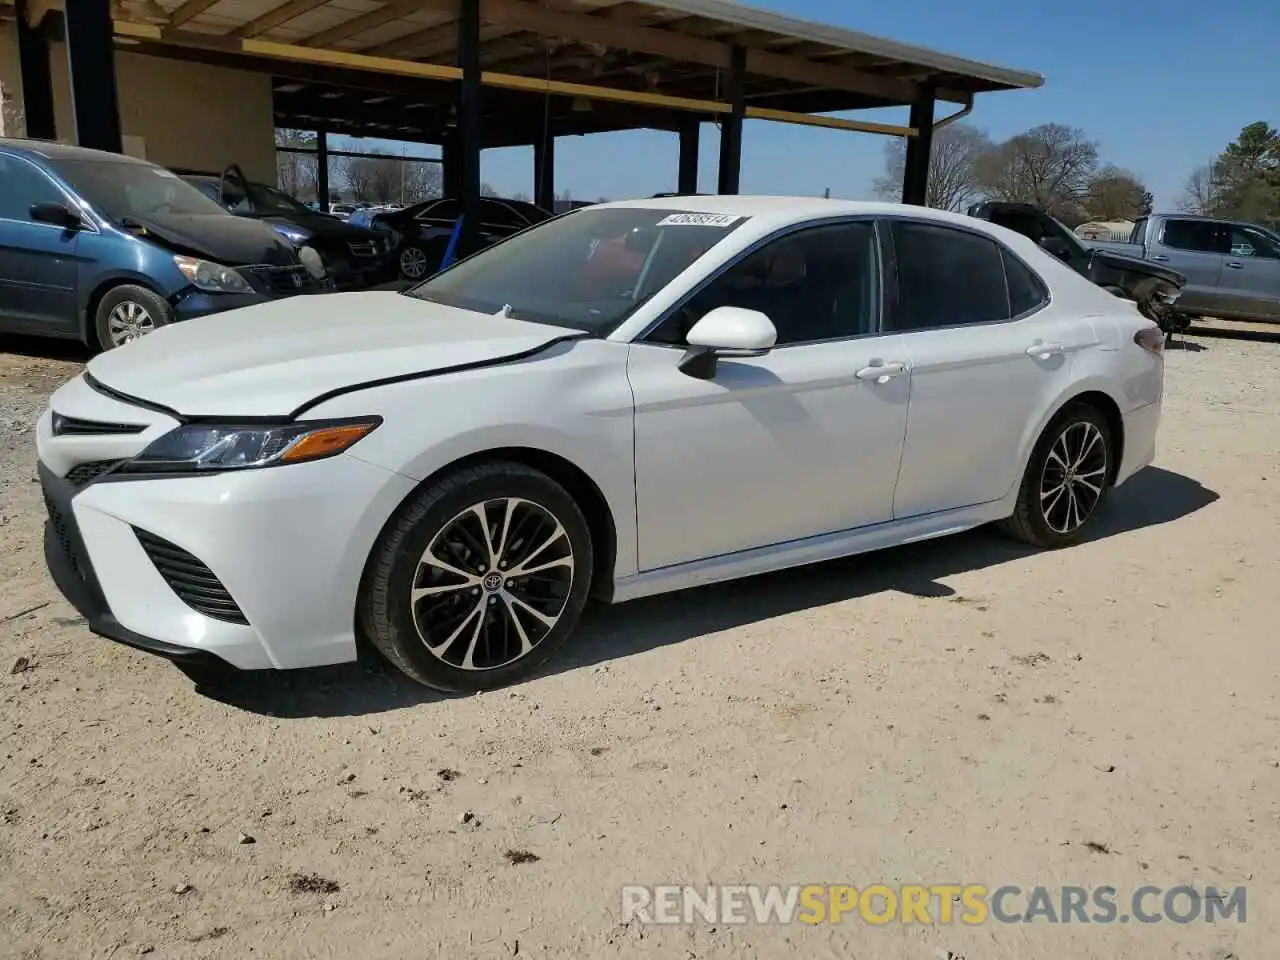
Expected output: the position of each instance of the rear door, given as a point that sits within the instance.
(1250, 280)
(38, 263)
(988, 354)
(1198, 250)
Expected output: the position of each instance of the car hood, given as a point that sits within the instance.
(274, 358)
(320, 225)
(226, 239)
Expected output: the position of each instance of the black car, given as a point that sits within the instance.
(354, 257)
(420, 234)
(1154, 289)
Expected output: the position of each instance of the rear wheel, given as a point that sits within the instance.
(479, 580)
(1067, 479)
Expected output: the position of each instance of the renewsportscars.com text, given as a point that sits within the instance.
(972, 904)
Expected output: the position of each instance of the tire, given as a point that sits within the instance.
(476, 616)
(1039, 517)
(414, 262)
(127, 312)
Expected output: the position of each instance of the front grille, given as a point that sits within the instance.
(193, 582)
(365, 248)
(83, 474)
(292, 279)
(64, 426)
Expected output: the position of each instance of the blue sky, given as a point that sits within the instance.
(1162, 85)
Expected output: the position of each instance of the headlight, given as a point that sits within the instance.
(197, 447)
(291, 233)
(311, 259)
(212, 277)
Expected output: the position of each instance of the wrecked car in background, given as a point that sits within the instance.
(104, 248)
(1153, 289)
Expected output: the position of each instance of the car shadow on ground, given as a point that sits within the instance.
(44, 348)
(607, 633)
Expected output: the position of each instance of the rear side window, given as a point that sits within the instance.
(1139, 231)
(1200, 236)
(1027, 292)
(947, 277)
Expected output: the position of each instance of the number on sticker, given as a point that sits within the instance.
(698, 220)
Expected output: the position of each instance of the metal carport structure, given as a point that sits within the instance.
(474, 73)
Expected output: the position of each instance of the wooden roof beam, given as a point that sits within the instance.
(274, 18)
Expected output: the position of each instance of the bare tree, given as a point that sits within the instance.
(488, 190)
(12, 121)
(422, 181)
(1200, 195)
(1116, 194)
(1050, 166)
(954, 161)
(296, 172)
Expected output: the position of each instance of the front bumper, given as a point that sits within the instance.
(289, 545)
(75, 578)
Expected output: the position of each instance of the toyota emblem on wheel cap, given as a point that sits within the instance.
(493, 582)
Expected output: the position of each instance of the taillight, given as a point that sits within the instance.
(1150, 339)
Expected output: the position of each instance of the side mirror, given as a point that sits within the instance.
(56, 213)
(726, 332)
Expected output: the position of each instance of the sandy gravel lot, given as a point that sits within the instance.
(962, 710)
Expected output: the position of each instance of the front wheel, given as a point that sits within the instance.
(480, 578)
(128, 312)
(415, 262)
(1067, 479)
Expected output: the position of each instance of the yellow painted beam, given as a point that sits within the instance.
(506, 81)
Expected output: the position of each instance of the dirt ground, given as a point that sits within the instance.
(962, 710)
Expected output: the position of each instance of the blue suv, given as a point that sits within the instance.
(104, 248)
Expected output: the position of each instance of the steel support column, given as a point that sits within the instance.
(92, 68)
(687, 180)
(469, 123)
(915, 176)
(322, 170)
(37, 79)
(731, 123)
(544, 171)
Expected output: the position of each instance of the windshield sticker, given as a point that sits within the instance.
(698, 220)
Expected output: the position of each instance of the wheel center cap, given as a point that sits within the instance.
(492, 582)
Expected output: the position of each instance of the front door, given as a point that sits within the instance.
(797, 443)
(987, 352)
(1196, 249)
(38, 263)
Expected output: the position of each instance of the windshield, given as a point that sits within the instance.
(588, 270)
(121, 190)
(260, 200)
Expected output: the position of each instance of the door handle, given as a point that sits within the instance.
(1160, 257)
(1234, 264)
(1043, 351)
(881, 372)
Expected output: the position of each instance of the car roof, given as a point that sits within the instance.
(780, 211)
(52, 150)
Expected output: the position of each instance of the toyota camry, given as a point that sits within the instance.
(629, 399)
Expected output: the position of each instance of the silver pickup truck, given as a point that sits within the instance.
(1232, 268)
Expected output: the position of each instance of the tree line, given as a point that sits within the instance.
(1055, 167)
(1242, 182)
(1059, 169)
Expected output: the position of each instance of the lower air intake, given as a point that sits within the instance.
(193, 582)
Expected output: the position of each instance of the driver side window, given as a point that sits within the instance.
(821, 283)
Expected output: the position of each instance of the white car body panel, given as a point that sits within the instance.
(780, 460)
(268, 361)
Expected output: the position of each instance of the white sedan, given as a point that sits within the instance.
(629, 399)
